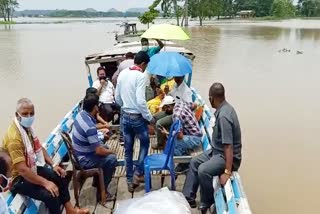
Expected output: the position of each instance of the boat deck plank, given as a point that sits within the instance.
(118, 186)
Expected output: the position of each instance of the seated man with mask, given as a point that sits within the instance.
(106, 95)
(30, 176)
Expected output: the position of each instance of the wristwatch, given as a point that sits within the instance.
(226, 171)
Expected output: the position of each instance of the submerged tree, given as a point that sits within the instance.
(149, 16)
(283, 9)
(7, 8)
(309, 8)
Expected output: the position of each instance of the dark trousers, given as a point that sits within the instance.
(135, 126)
(202, 170)
(107, 164)
(24, 187)
(108, 111)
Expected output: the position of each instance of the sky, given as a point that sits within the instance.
(101, 5)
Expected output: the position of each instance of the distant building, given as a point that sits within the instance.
(245, 14)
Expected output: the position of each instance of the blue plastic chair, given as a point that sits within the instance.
(164, 161)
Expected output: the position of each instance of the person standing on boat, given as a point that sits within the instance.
(222, 159)
(30, 176)
(130, 95)
(123, 65)
(88, 148)
(151, 51)
(106, 95)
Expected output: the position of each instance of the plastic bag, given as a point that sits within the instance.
(156, 202)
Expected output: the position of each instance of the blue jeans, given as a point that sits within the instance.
(134, 125)
(107, 163)
(188, 142)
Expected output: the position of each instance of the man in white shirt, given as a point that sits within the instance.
(106, 95)
(181, 91)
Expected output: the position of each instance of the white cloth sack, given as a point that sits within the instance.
(156, 202)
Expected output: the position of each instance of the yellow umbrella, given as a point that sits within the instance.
(165, 32)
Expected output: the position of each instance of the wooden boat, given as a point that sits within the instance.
(228, 199)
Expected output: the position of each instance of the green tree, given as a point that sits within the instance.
(7, 8)
(149, 16)
(309, 8)
(173, 8)
(283, 9)
(200, 9)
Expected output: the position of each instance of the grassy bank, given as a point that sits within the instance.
(7, 22)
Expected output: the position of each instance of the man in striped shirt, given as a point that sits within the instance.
(88, 148)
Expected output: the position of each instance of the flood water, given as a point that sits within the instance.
(276, 94)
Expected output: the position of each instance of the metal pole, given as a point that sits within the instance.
(186, 14)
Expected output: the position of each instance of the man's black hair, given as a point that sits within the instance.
(129, 55)
(141, 57)
(90, 101)
(91, 90)
(3, 166)
(144, 40)
(101, 68)
(217, 90)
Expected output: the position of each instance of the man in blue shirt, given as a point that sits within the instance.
(130, 95)
(88, 148)
(151, 51)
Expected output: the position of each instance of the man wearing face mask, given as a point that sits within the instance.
(151, 51)
(106, 95)
(222, 159)
(5, 181)
(130, 95)
(30, 176)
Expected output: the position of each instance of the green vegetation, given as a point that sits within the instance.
(309, 8)
(149, 16)
(7, 8)
(262, 9)
(7, 22)
(283, 9)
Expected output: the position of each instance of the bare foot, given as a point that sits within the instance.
(81, 211)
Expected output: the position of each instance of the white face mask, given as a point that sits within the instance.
(5, 183)
(26, 121)
(145, 48)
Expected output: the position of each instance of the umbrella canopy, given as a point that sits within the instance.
(169, 64)
(165, 32)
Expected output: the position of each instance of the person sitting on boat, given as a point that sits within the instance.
(190, 136)
(181, 91)
(123, 65)
(151, 51)
(130, 95)
(102, 125)
(154, 104)
(222, 159)
(30, 176)
(106, 95)
(89, 149)
(5, 181)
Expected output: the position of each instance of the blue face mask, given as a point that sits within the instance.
(26, 121)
